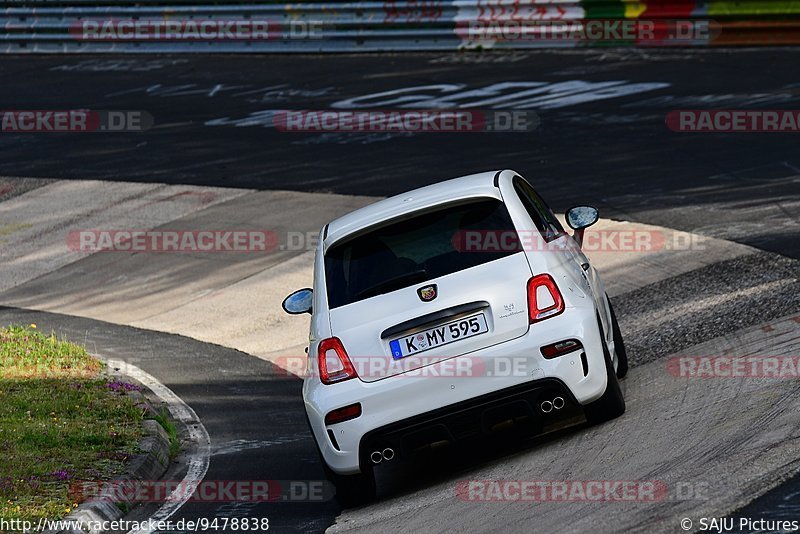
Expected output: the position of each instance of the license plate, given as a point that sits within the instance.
(438, 336)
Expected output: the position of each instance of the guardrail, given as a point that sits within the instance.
(154, 26)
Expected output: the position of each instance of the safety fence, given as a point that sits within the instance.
(152, 26)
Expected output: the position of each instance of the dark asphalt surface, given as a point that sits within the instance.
(780, 504)
(213, 127)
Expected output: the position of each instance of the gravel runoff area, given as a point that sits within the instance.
(677, 313)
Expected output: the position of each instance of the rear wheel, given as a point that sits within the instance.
(353, 490)
(612, 404)
(619, 345)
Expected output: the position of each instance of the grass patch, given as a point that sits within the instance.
(61, 423)
(163, 419)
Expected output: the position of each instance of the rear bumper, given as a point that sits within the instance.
(393, 408)
(514, 411)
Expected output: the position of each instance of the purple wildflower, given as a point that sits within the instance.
(119, 386)
(61, 474)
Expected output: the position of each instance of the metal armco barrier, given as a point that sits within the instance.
(97, 26)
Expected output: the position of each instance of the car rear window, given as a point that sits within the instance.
(413, 250)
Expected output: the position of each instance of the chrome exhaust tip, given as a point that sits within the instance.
(546, 406)
(388, 454)
(558, 403)
(376, 457)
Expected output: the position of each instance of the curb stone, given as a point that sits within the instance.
(150, 464)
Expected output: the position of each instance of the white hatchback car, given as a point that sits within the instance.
(456, 312)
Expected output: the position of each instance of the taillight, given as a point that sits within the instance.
(340, 415)
(334, 365)
(544, 298)
(562, 347)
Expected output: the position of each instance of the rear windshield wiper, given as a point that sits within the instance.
(396, 282)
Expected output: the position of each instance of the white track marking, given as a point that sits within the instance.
(198, 461)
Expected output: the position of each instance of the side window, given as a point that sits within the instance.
(539, 211)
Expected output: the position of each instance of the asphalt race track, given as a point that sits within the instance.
(213, 125)
(602, 140)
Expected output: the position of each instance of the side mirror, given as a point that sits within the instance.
(299, 301)
(579, 218)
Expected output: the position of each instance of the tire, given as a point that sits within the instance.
(612, 404)
(619, 345)
(353, 490)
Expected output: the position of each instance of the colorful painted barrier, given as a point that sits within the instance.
(184, 26)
